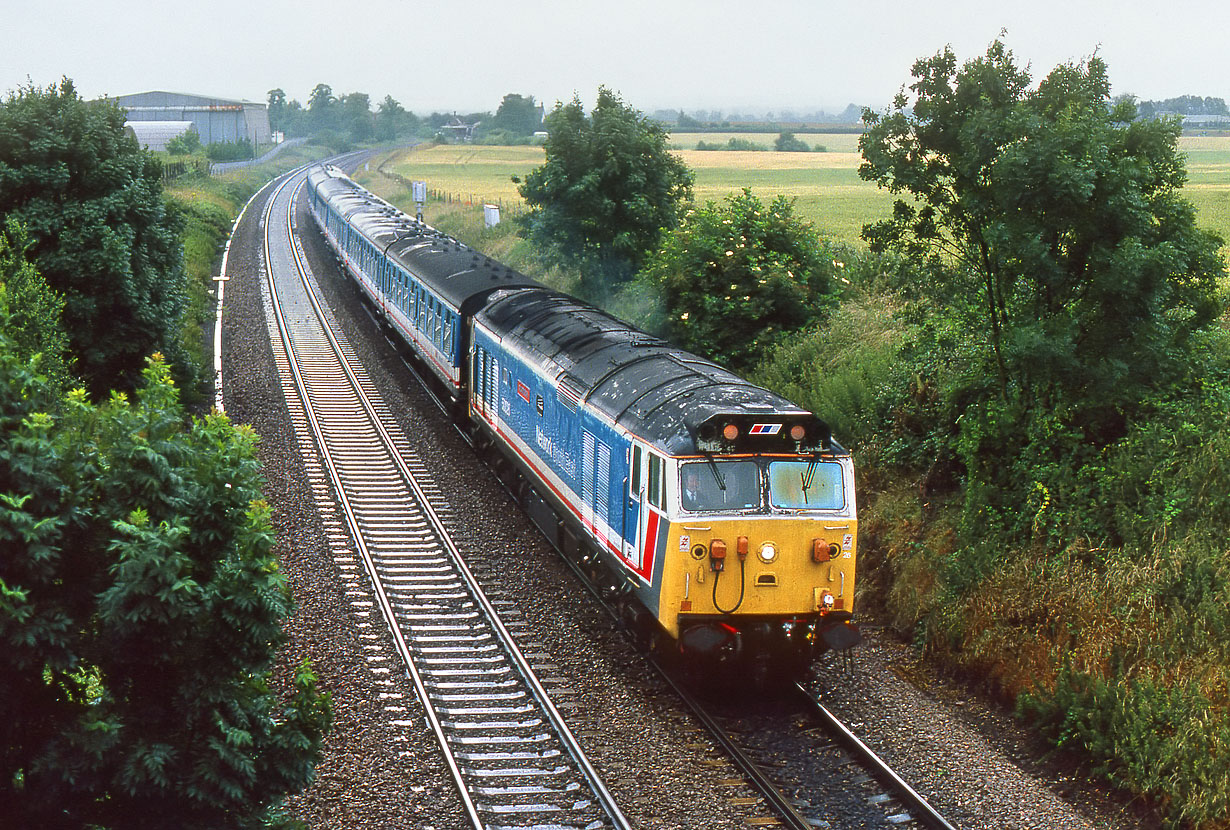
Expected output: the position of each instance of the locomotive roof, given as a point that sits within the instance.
(459, 274)
(666, 396)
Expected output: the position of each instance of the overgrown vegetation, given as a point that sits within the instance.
(1060, 409)
(140, 605)
(140, 610)
(100, 232)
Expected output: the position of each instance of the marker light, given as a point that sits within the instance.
(768, 552)
(797, 432)
(730, 432)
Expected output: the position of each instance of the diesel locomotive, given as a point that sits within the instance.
(719, 517)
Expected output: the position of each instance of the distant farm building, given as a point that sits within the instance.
(155, 134)
(458, 130)
(215, 119)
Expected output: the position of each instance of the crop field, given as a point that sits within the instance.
(1208, 181)
(833, 142)
(825, 186)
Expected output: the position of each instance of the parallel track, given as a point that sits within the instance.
(512, 757)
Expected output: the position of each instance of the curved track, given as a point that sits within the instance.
(512, 757)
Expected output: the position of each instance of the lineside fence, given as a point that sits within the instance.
(448, 197)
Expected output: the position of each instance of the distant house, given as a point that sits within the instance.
(214, 119)
(458, 130)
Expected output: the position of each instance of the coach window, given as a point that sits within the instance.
(636, 472)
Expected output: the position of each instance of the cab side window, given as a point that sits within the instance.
(657, 482)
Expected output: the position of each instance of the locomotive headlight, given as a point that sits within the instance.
(768, 552)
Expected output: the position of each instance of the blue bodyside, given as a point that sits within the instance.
(556, 441)
(433, 317)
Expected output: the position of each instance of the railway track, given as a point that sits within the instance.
(810, 767)
(513, 759)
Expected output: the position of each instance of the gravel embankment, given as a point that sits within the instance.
(381, 768)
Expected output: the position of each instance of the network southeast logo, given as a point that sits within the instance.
(765, 429)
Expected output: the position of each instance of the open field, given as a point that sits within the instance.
(826, 187)
(1208, 182)
(833, 142)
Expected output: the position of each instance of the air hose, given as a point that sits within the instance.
(717, 577)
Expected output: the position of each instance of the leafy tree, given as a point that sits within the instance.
(687, 122)
(323, 110)
(356, 115)
(140, 610)
(787, 142)
(607, 189)
(286, 116)
(33, 310)
(518, 115)
(735, 277)
(1059, 217)
(102, 234)
(392, 121)
(277, 107)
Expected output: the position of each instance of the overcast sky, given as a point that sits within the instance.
(464, 55)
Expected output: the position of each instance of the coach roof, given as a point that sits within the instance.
(456, 272)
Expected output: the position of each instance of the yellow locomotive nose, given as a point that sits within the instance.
(796, 571)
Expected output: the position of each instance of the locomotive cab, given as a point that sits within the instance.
(764, 527)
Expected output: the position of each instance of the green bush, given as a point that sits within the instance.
(1167, 741)
(788, 143)
(140, 612)
(184, 145)
(732, 144)
(240, 150)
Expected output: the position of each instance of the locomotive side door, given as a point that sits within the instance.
(644, 505)
(634, 507)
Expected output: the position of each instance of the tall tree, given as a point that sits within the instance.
(277, 107)
(735, 277)
(356, 115)
(140, 611)
(103, 235)
(393, 121)
(608, 188)
(34, 311)
(323, 111)
(518, 115)
(1061, 215)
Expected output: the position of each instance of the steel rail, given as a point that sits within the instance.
(563, 734)
(913, 801)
